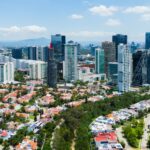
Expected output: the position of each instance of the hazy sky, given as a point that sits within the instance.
(82, 20)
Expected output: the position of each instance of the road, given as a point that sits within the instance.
(121, 138)
(145, 134)
(43, 142)
(53, 134)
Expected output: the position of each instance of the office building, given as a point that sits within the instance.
(124, 68)
(45, 53)
(52, 68)
(109, 54)
(119, 39)
(37, 70)
(147, 40)
(58, 41)
(32, 54)
(70, 64)
(137, 79)
(38, 53)
(133, 47)
(92, 49)
(113, 72)
(99, 61)
(20, 53)
(146, 67)
(6, 72)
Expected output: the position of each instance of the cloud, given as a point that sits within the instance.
(34, 29)
(88, 34)
(113, 22)
(15, 29)
(10, 29)
(22, 32)
(103, 10)
(76, 16)
(137, 10)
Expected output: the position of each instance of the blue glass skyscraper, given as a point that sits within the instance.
(119, 39)
(147, 40)
(58, 41)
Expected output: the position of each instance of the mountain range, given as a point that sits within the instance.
(27, 42)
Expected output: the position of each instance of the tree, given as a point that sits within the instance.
(19, 76)
(148, 143)
(123, 144)
(1, 141)
(6, 145)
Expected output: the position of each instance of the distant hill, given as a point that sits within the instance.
(27, 42)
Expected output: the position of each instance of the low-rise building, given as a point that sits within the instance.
(27, 144)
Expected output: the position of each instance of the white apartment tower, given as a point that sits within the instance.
(124, 68)
(70, 72)
(6, 72)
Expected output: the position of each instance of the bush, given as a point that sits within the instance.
(123, 144)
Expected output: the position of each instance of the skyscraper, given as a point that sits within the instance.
(133, 47)
(146, 67)
(92, 49)
(119, 39)
(52, 68)
(58, 41)
(70, 63)
(109, 54)
(124, 68)
(45, 53)
(99, 61)
(137, 68)
(32, 54)
(113, 72)
(6, 72)
(147, 40)
(20, 53)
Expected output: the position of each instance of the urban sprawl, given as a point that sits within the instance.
(70, 96)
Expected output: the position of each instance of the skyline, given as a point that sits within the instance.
(80, 20)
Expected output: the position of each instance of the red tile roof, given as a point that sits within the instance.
(4, 133)
(110, 136)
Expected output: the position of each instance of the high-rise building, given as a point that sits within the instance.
(113, 72)
(32, 54)
(147, 40)
(137, 79)
(133, 47)
(92, 49)
(146, 67)
(124, 68)
(52, 68)
(119, 39)
(6, 72)
(45, 53)
(109, 54)
(38, 53)
(58, 41)
(35, 69)
(20, 53)
(70, 64)
(99, 61)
